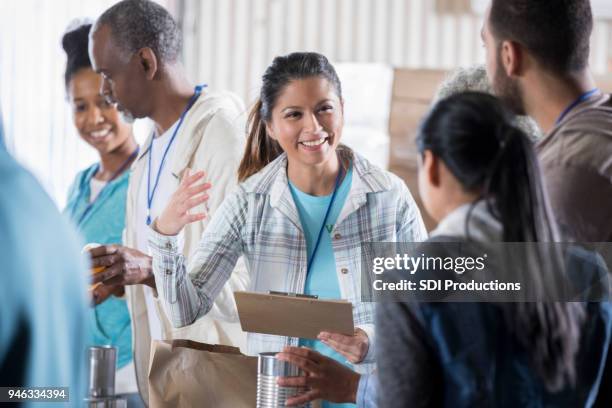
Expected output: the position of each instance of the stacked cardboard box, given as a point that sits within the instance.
(413, 91)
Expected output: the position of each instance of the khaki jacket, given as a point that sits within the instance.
(211, 139)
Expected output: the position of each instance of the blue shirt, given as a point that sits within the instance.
(43, 300)
(322, 279)
(1, 132)
(367, 391)
(103, 224)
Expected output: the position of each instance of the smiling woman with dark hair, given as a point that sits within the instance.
(305, 205)
(97, 198)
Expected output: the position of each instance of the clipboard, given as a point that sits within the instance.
(293, 315)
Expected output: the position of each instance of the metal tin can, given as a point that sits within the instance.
(269, 369)
(102, 362)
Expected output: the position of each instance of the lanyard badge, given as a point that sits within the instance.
(329, 207)
(151, 192)
(577, 102)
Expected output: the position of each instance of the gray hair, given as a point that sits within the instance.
(137, 24)
(474, 78)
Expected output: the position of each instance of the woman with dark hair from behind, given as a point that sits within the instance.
(479, 178)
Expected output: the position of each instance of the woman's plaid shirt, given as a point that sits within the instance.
(260, 222)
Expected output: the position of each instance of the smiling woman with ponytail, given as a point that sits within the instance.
(479, 178)
(305, 205)
(262, 149)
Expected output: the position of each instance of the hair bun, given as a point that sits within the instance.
(75, 43)
(76, 39)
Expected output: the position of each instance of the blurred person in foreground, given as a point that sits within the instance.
(43, 302)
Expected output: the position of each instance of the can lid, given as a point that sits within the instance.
(102, 350)
(267, 364)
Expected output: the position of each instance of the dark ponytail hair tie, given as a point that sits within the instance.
(505, 133)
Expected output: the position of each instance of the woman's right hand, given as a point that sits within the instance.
(189, 195)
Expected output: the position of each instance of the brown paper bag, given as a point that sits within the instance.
(186, 374)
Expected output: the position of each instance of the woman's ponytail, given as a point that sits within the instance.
(260, 149)
(515, 184)
(550, 332)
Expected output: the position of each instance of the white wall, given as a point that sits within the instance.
(230, 42)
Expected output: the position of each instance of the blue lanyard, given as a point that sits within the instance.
(577, 102)
(331, 203)
(151, 194)
(114, 176)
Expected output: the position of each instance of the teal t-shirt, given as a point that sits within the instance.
(104, 224)
(322, 279)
